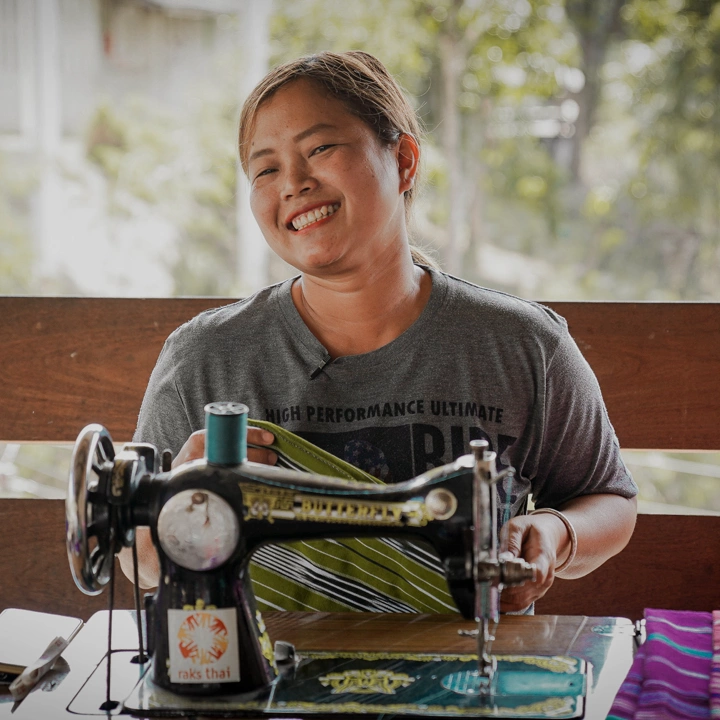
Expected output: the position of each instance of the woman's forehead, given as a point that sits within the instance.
(295, 109)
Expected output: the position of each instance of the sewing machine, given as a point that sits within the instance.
(209, 651)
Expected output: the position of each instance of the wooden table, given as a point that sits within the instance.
(608, 643)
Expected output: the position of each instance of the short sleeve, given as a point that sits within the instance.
(579, 453)
(163, 420)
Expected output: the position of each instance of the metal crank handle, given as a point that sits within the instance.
(516, 571)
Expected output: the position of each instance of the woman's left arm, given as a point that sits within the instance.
(603, 524)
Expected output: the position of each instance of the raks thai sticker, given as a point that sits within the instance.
(203, 646)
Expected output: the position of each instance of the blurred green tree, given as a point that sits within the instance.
(597, 25)
(182, 167)
(674, 73)
(577, 140)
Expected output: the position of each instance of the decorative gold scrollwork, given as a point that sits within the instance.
(264, 639)
(366, 682)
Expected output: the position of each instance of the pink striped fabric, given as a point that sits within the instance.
(715, 667)
(676, 672)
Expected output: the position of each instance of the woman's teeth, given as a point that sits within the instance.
(312, 216)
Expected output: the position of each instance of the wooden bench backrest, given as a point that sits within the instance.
(66, 362)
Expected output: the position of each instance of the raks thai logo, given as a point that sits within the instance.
(203, 645)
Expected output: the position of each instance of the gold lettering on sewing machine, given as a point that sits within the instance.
(359, 512)
(270, 504)
(264, 503)
(366, 682)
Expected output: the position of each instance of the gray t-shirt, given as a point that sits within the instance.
(477, 363)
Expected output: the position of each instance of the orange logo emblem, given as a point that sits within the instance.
(202, 638)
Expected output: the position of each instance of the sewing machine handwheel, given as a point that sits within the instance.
(87, 513)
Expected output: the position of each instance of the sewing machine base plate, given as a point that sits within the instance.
(526, 686)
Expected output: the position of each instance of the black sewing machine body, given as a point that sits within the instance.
(207, 518)
(273, 505)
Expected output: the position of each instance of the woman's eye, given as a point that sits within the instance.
(266, 171)
(319, 149)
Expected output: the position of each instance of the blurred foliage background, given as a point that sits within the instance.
(571, 146)
(571, 151)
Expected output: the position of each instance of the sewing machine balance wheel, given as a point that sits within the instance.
(90, 530)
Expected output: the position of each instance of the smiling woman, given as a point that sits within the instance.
(332, 149)
(308, 152)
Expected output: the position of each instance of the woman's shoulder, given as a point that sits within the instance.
(473, 304)
(248, 316)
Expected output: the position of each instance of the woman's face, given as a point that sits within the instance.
(328, 196)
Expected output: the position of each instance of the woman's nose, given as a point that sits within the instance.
(298, 180)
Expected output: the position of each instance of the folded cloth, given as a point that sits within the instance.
(671, 675)
(369, 574)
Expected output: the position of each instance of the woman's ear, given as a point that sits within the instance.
(408, 159)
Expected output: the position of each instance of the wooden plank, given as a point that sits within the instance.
(69, 361)
(658, 365)
(671, 562)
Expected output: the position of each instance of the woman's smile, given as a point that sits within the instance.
(313, 216)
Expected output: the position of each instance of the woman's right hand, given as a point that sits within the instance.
(194, 447)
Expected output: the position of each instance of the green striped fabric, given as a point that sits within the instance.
(364, 574)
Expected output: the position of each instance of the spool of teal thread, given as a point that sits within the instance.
(226, 436)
